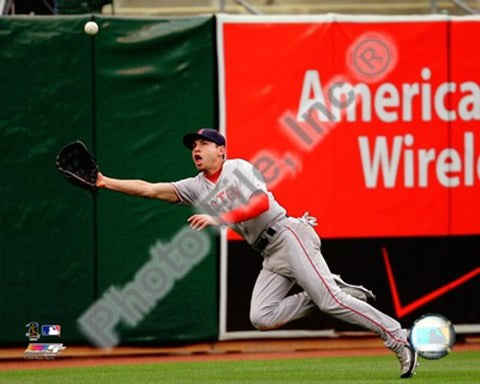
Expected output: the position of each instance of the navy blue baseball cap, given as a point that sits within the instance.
(205, 134)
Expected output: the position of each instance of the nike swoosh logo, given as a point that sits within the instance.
(403, 310)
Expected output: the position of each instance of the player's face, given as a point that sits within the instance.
(207, 156)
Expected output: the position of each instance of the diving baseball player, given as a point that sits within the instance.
(232, 192)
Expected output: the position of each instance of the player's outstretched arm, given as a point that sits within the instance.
(140, 188)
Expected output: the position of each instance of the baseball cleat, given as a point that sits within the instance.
(408, 359)
(357, 291)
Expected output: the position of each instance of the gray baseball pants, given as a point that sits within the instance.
(293, 256)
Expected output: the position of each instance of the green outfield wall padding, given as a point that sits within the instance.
(155, 81)
(46, 235)
(130, 93)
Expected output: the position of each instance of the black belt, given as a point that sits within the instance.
(264, 239)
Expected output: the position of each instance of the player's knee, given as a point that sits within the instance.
(260, 321)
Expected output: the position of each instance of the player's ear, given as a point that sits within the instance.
(221, 151)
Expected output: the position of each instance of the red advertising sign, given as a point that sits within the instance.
(372, 125)
(465, 128)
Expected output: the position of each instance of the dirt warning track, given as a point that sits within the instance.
(81, 356)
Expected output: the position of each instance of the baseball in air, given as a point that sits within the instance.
(91, 28)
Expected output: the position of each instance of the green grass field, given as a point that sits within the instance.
(459, 367)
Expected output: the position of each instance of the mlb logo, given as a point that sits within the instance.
(51, 330)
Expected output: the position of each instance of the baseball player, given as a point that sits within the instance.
(232, 192)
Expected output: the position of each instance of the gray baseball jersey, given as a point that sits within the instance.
(238, 181)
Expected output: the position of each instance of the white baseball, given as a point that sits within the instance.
(91, 28)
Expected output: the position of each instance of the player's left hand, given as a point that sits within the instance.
(201, 221)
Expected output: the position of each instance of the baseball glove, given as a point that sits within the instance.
(78, 166)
